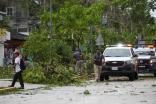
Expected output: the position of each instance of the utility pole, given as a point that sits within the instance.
(50, 35)
(44, 5)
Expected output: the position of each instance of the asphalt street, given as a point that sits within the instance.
(115, 91)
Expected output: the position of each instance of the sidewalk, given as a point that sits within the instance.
(27, 86)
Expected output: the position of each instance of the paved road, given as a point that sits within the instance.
(6, 82)
(115, 91)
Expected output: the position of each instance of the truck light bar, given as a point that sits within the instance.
(120, 45)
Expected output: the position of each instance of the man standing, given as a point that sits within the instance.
(98, 61)
(78, 55)
(18, 71)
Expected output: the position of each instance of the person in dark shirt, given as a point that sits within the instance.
(79, 57)
(98, 61)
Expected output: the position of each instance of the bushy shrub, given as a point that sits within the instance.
(57, 76)
(89, 64)
(64, 51)
(34, 74)
(63, 76)
(6, 73)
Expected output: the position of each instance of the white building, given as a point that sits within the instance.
(19, 26)
(3, 38)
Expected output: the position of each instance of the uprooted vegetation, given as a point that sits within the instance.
(8, 90)
(57, 76)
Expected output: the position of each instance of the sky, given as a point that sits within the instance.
(153, 14)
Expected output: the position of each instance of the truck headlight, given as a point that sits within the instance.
(129, 61)
(153, 61)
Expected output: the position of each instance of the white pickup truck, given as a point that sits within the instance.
(119, 61)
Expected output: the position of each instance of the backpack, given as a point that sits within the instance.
(22, 65)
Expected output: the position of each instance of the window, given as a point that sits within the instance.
(22, 30)
(117, 52)
(9, 11)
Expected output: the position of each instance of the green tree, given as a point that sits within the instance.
(73, 20)
(71, 24)
(131, 17)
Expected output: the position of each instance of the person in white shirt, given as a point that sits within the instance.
(18, 71)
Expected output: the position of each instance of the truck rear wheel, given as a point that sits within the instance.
(131, 77)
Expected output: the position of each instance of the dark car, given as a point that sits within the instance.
(146, 60)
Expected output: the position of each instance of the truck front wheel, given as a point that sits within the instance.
(101, 77)
(106, 77)
(132, 77)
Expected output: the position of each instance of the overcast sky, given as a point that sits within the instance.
(153, 13)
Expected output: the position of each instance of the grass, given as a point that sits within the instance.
(8, 90)
(154, 85)
(86, 92)
(6, 73)
(142, 92)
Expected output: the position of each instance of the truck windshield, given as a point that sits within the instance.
(145, 53)
(117, 53)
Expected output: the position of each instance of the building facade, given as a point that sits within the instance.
(15, 14)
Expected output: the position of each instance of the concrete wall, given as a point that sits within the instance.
(1, 54)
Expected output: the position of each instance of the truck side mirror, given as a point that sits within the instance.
(135, 55)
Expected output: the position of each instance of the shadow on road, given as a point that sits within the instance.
(123, 79)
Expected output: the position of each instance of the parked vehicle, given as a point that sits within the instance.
(146, 59)
(119, 61)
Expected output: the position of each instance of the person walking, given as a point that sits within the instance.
(98, 61)
(79, 57)
(18, 71)
(80, 64)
